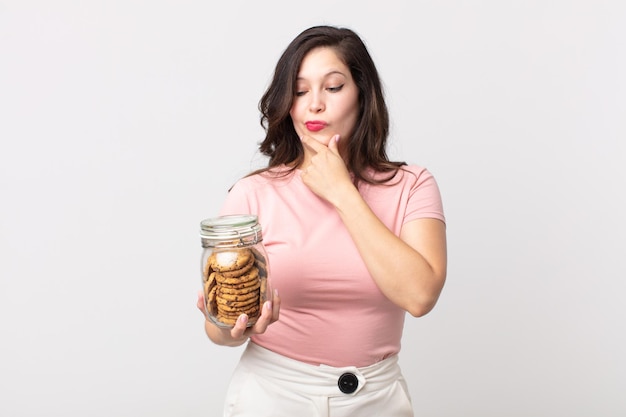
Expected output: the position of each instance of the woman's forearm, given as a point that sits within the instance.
(411, 269)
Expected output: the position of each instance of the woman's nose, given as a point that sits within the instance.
(317, 104)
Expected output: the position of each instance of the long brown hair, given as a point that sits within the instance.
(366, 148)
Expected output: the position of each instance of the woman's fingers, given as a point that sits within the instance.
(241, 326)
(200, 302)
(275, 306)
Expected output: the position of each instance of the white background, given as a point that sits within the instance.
(123, 123)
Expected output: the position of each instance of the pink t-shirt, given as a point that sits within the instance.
(332, 312)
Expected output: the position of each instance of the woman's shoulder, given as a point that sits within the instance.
(265, 177)
(417, 175)
(415, 169)
(409, 173)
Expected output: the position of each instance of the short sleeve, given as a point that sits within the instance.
(237, 200)
(424, 197)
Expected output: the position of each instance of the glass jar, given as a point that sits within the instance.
(234, 269)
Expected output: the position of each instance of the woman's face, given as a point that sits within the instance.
(327, 99)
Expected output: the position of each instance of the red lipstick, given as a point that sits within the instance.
(315, 125)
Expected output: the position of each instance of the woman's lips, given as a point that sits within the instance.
(315, 126)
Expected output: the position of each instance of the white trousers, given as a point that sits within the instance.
(266, 384)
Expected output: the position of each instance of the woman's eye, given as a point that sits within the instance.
(300, 93)
(335, 89)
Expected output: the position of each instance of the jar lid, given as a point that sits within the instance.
(236, 229)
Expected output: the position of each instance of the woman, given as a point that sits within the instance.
(354, 242)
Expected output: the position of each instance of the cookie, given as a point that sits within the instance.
(241, 287)
(229, 321)
(239, 272)
(259, 260)
(211, 280)
(235, 283)
(206, 270)
(263, 291)
(232, 305)
(211, 301)
(250, 276)
(224, 261)
(238, 292)
(236, 297)
(251, 313)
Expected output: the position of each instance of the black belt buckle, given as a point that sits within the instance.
(348, 383)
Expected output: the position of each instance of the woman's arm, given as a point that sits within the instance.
(410, 269)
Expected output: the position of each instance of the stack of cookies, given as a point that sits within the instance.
(235, 283)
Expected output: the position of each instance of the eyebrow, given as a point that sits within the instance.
(333, 72)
